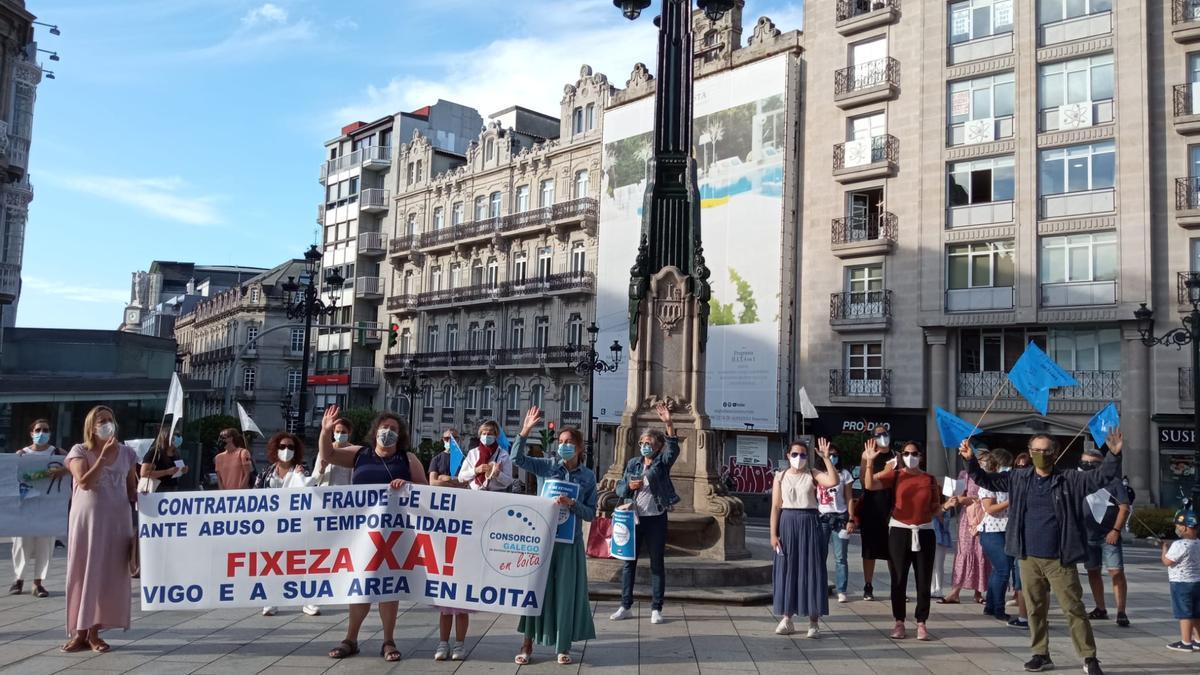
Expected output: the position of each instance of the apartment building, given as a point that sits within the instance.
(242, 343)
(492, 266)
(20, 74)
(353, 216)
(987, 187)
(159, 295)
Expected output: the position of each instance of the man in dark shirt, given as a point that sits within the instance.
(1047, 532)
(1104, 543)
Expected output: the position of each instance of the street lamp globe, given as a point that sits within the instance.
(1192, 284)
(312, 260)
(1145, 321)
(616, 353)
(632, 9)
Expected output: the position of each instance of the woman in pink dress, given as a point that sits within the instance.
(99, 533)
(971, 567)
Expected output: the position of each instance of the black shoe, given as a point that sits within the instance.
(1018, 622)
(17, 587)
(1122, 620)
(1000, 617)
(1039, 663)
(1100, 614)
(868, 592)
(1181, 647)
(1091, 666)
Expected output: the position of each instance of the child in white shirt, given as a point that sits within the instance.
(1182, 559)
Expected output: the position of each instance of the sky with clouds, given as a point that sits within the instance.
(193, 130)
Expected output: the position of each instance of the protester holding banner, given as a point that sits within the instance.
(874, 510)
(100, 535)
(566, 611)
(235, 468)
(800, 578)
(1047, 533)
(646, 486)
(443, 474)
(328, 474)
(384, 463)
(35, 552)
(487, 466)
(991, 537)
(910, 534)
(1104, 542)
(836, 507)
(162, 466)
(971, 566)
(285, 469)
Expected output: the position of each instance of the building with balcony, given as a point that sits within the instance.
(168, 289)
(357, 174)
(20, 74)
(241, 342)
(491, 274)
(989, 189)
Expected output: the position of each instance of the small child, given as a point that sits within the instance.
(1182, 559)
(945, 544)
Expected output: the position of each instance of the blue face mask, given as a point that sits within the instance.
(41, 438)
(647, 450)
(177, 440)
(566, 451)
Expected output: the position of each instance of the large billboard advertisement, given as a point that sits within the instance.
(740, 137)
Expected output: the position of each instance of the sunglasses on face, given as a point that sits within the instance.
(283, 446)
(911, 454)
(801, 455)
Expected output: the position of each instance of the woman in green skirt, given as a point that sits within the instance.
(566, 611)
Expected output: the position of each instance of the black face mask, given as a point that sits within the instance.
(1089, 466)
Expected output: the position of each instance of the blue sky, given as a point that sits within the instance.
(193, 129)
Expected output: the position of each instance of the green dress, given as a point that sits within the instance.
(566, 609)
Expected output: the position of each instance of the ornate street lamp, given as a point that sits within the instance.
(1187, 334)
(411, 385)
(303, 300)
(591, 364)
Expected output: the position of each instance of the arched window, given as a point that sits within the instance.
(581, 184)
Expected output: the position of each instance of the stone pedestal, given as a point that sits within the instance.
(667, 364)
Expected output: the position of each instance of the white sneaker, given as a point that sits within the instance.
(311, 610)
(621, 614)
(442, 651)
(269, 611)
(785, 627)
(813, 630)
(458, 653)
(656, 616)
(842, 597)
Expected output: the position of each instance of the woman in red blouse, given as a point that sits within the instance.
(911, 541)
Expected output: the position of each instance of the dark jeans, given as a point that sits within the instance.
(902, 556)
(993, 548)
(651, 535)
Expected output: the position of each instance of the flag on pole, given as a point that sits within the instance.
(1103, 422)
(807, 410)
(456, 457)
(502, 441)
(1035, 374)
(248, 424)
(174, 402)
(953, 429)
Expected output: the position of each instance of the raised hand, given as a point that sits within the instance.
(1115, 441)
(663, 411)
(531, 419)
(870, 450)
(823, 447)
(329, 420)
(964, 449)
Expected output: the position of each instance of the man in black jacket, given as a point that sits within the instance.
(1047, 532)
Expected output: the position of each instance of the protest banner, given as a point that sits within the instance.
(565, 520)
(624, 531)
(469, 549)
(33, 501)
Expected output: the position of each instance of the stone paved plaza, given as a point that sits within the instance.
(697, 638)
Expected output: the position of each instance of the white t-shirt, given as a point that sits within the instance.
(833, 499)
(32, 452)
(1186, 554)
(993, 523)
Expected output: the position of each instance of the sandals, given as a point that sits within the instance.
(944, 601)
(99, 646)
(40, 591)
(389, 655)
(75, 644)
(345, 649)
(564, 659)
(522, 659)
(17, 587)
(1098, 614)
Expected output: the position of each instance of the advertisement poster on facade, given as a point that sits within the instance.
(740, 136)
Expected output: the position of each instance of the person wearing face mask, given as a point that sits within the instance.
(160, 465)
(1182, 560)
(1047, 533)
(971, 566)
(235, 468)
(874, 510)
(487, 466)
(99, 532)
(918, 500)
(836, 507)
(991, 538)
(386, 462)
(285, 469)
(646, 484)
(1104, 543)
(800, 579)
(566, 612)
(35, 552)
(329, 474)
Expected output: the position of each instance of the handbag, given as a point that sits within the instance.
(599, 536)
(147, 485)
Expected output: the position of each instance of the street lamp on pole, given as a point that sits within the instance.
(410, 386)
(1188, 334)
(303, 299)
(591, 364)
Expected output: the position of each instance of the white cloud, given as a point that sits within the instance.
(166, 197)
(345, 23)
(267, 13)
(73, 292)
(262, 31)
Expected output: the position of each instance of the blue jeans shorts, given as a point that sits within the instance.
(1185, 599)
(1099, 551)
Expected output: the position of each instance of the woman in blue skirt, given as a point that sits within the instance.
(801, 580)
(566, 611)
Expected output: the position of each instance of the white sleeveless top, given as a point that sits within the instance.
(799, 490)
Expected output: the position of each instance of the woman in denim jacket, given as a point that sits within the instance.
(647, 485)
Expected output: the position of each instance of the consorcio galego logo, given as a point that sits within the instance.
(512, 541)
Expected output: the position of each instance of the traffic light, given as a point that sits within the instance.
(393, 334)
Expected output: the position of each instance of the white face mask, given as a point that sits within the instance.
(912, 461)
(487, 439)
(286, 454)
(341, 438)
(797, 462)
(106, 431)
(387, 437)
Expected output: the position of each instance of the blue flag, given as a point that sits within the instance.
(456, 457)
(1035, 374)
(953, 429)
(1104, 422)
(502, 441)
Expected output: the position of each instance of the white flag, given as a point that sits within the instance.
(807, 409)
(174, 402)
(1098, 504)
(248, 424)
